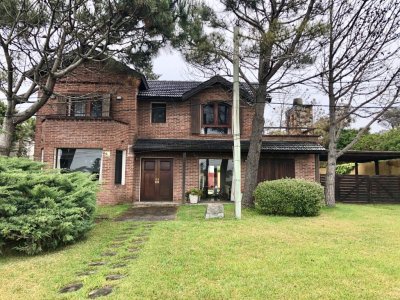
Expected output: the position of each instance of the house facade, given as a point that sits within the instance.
(154, 140)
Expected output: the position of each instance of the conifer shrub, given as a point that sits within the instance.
(289, 197)
(43, 209)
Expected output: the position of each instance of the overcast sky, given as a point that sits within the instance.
(170, 65)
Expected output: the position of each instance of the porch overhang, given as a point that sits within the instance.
(185, 145)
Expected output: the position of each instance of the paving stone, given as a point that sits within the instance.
(104, 291)
(86, 273)
(135, 249)
(130, 257)
(97, 263)
(137, 242)
(72, 287)
(114, 277)
(119, 265)
(214, 211)
(109, 254)
(142, 235)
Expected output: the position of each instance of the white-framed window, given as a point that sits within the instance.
(84, 160)
(120, 167)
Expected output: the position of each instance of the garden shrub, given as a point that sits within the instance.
(290, 197)
(345, 169)
(43, 209)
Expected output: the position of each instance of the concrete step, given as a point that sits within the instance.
(155, 203)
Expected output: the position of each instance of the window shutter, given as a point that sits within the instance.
(62, 106)
(106, 105)
(195, 116)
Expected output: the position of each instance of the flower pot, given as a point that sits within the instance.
(193, 198)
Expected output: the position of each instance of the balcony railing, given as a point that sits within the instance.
(281, 130)
(78, 106)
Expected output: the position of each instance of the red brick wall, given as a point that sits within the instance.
(192, 170)
(304, 168)
(108, 135)
(132, 119)
(178, 121)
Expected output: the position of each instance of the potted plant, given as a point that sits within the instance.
(194, 195)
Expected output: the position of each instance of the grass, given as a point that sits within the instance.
(349, 252)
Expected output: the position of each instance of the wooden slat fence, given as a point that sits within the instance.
(366, 189)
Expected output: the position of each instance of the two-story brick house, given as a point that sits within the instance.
(154, 140)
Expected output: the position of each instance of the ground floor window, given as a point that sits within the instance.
(120, 159)
(84, 160)
(216, 178)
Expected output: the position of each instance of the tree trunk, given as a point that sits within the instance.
(331, 170)
(253, 157)
(6, 136)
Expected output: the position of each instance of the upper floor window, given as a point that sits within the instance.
(216, 118)
(158, 113)
(94, 106)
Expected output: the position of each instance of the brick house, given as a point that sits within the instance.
(154, 140)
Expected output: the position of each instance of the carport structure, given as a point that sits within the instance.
(365, 188)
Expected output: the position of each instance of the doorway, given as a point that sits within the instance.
(157, 179)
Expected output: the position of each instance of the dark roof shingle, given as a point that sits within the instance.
(167, 89)
(183, 90)
(223, 146)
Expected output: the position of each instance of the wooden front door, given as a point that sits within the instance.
(272, 169)
(157, 179)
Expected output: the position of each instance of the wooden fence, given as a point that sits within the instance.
(366, 189)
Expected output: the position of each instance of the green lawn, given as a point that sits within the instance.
(349, 252)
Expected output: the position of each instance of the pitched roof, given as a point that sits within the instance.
(167, 88)
(182, 90)
(180, 145)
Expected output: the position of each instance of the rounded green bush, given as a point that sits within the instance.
(43, 209)
(289, 197)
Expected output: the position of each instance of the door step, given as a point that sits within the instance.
(155, 203)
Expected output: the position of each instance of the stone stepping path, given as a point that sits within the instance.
(104, 291)
(109, 254)
(114, 277)
(126, 246)
(72, 287)
(134, 250)
(119, 265)
(97, 263)
(130, 257)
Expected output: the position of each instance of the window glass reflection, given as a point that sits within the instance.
(84, 160)
(216, 178)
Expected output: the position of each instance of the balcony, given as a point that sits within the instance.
(79, 107)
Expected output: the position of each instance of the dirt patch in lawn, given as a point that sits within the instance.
(153, 213)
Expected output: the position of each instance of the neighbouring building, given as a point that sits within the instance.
(150, 140)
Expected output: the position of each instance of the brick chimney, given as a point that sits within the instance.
(299, 118)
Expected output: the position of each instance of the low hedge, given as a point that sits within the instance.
(290, 197)
(42, 209)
